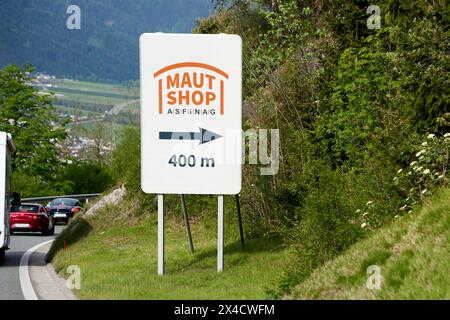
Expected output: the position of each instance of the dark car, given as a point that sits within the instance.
(31, 217)
(63, 209)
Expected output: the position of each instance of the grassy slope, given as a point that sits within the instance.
(412, 253)
(118, 261)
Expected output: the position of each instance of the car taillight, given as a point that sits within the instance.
(35, 217)
(75, 210)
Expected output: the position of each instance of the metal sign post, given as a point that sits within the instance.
(220, 233)
(186, 222)
(160, 234)
(241, 229)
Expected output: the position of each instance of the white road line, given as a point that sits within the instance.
(24, 275)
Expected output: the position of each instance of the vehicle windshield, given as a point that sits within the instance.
(25, 209)
(64, 202)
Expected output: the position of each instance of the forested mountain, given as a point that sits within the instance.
(106, 46)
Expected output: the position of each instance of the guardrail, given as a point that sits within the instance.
(75, 196)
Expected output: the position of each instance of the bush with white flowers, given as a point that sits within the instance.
(428, 171)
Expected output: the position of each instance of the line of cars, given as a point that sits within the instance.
(34, 217)
(16, 216)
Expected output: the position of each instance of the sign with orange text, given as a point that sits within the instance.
(191, 113)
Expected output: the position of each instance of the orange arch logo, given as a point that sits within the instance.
(191, 88)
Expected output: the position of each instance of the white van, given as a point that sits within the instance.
(6, 150)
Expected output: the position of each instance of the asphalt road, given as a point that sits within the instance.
(9, 268)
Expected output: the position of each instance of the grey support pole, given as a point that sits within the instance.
(186, 222)
(160, 234)
(241, 229)
(220, 234)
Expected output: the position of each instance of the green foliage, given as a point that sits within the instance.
(30, 118)
(351, 105)
(244, 19)
(34, 186)
(86, 177)
(418, 33)
(126, 160)
(327, 220)
(429, 171)
(40, 167)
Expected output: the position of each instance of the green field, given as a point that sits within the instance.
(132, 92)
(81, 97)
(118, 261)
(92, 99)
(81, 92)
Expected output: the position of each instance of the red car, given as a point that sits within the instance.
(32, 217)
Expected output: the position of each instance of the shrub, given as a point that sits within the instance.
(86, 177)
(428, 172)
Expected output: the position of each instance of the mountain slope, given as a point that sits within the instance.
(106, 46)
(413, 255)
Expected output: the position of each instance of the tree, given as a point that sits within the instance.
(86, 176)
(30, 118)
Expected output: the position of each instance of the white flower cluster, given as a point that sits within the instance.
(447, 137)
(420, 153)
(424, 173)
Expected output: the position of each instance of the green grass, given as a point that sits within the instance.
(96, 87)
(119, 261)
(413, 255)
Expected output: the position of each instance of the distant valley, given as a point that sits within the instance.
(105, 47)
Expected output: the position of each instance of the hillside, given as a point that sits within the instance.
(413, 255)
(106, 46)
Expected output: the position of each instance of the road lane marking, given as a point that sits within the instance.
(24, 274)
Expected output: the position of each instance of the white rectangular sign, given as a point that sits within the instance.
(191, 113)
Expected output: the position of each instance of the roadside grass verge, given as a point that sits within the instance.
(75, 231)
(413, 255)
(119, 261)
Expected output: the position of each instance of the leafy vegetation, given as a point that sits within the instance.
(353, 105)
(28, 117)
(41, 167)
(412, 254)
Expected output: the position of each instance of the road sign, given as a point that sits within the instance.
(191, 113)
